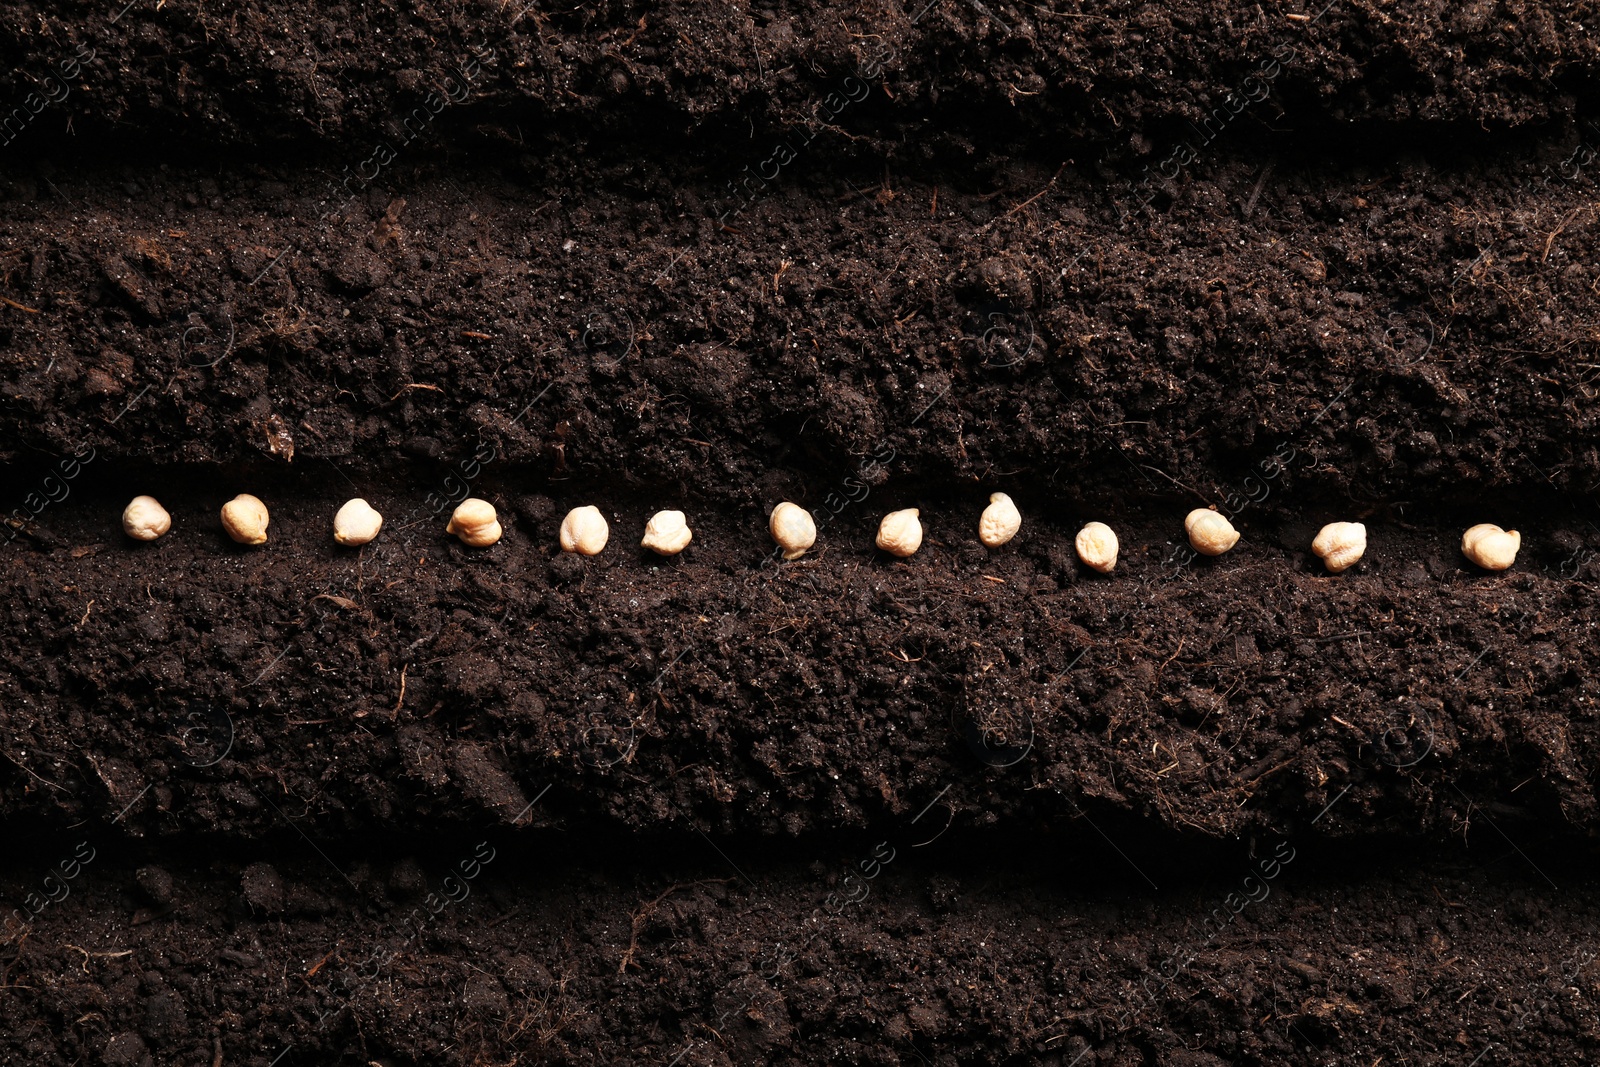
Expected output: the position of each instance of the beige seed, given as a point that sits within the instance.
(999, 522)
(1210, 533)
(144, 519)
(1490, 547)
(900, 533)
(1340, 544)
(245, 519)
(793, 528)
(356, 523)
(1097, 547)
(475, 522)
(584, 531)
(667, 533)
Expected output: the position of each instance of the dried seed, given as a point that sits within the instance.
(1490, 547)
(999, 522)
(1340, 544)
(245, 519)
(356, 523)
(793, 528)
(1097, 547)
(900, 533)
(1210, 533)
(584, 531)
(475, 522)
(667, 533)
(144, 519)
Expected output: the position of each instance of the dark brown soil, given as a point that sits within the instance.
(1118, 264)
(1043, 946)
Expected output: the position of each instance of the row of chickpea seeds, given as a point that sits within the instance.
(1339, 544)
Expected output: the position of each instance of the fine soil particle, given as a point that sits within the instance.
(422, 803)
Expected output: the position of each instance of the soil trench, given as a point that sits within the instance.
(727, 690)
(1056, 949)
(419, 803)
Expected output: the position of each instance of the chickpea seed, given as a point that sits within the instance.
(475, 522)
(584, 531)
(793, 528)
(245, 519)
(1490, 547)
(667, 533)
(999, 522)
(1340, 544)
(1097, 547)
(356, 523)
(900, 533)
(1210, 533)
(144, 519)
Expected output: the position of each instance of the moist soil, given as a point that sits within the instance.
(422, 803)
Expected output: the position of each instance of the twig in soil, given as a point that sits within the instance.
(402, 698)
(23, 307)
(1548, 241)
(104, 955)
(1174, 765)
(412, 385)
(644, 912)
(35, 777)
(1341, 637)
(1048, 186)
(1173, 480)
(315, 967)
(1274, 770)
